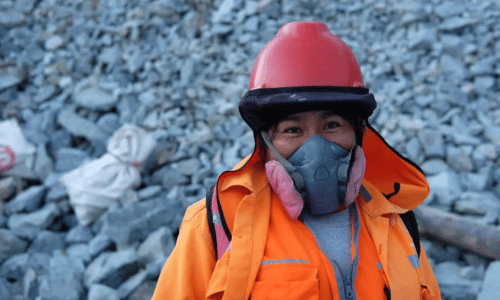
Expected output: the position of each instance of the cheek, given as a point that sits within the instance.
(284, 148)
(346, 139)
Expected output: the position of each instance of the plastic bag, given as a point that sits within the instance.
(7, 158)
(12, 137)
(95, 185)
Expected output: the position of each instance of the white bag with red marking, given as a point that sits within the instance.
(17, 155)
(7, 158)
(113, 177)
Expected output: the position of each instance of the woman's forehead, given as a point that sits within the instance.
(306, 114)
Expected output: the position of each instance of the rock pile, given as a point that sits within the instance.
(72, 72)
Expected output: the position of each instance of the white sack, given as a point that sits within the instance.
(95, 185)
(12, 136)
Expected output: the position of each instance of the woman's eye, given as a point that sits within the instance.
(331, 125)
(292, 130)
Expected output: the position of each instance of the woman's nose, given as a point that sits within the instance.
(313, 130)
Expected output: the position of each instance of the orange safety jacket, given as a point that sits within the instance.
(272, 256)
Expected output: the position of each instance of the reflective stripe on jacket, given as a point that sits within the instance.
(273, 257)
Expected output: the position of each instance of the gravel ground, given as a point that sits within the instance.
(74, 72)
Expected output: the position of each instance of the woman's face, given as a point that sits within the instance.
(294, 130)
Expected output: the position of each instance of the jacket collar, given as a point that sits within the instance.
(374, 203)
(400, 180)
(249, 173)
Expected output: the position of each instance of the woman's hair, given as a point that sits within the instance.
(359, 126)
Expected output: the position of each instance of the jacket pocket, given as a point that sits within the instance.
(288, 281)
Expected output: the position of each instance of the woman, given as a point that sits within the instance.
(316, 212)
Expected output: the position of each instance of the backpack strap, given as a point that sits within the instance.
(221, 237)
(411, 224)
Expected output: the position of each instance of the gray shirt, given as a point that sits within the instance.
(333, 235)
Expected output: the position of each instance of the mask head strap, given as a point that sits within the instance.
(296, 177)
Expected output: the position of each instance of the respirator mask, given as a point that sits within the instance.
(321, 173)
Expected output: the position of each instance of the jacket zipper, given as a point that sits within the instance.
(348, 279)
(349, 288)
(351, 293)
(344, 283)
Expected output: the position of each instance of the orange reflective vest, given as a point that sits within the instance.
(272, 256)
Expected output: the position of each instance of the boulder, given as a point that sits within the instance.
(149, 192)
(45, 93)
(81, 127)
(129, 286)
(157, 245)
(434, 166)
(459, 159)
(14, 267)
(11, 18)
(65, 278)
(79, 234)
(80, 251)
(30, 285)
(490, 288)
(10, 245)
(56, 192)
(452, 286)
(68, 159)
(7, 188)
(8, 80)
(102, 292)
(446, 187)
(54, 42)
(492, 133)
(111, 268)
(28, 225)
(144, 291)
(478, 203)
(46, 242)
(99, 244)
(39, 262)
(131, 224)
(432, 142)
(95, 98)
(27, 201)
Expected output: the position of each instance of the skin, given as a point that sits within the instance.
(292, 131)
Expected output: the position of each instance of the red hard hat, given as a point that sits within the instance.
(304, 67)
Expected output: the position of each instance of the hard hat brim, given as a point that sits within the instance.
(260, 108)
